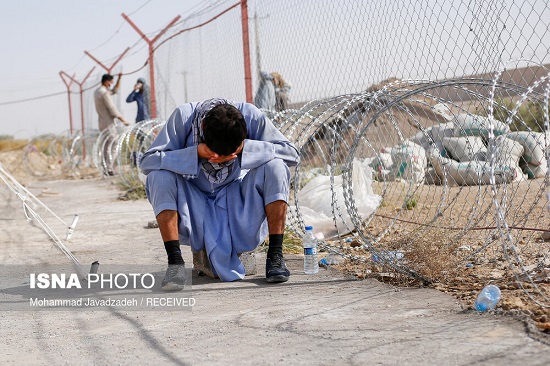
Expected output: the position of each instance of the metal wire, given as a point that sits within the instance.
(495, 218)
(30, 206)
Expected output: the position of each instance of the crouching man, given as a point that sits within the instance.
(218, 179)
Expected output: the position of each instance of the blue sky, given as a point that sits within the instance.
(41, 38)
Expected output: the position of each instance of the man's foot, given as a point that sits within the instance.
(175, 278)
(201, 264)
(275, 269)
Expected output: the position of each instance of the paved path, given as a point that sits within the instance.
(322, 319)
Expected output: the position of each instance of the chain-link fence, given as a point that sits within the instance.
(422, 127)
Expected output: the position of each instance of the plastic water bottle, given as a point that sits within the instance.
(331, 259)
(487, 298)
(311, 264)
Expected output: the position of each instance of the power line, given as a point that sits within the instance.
(33, 98)
(120, 26)
(138, 9)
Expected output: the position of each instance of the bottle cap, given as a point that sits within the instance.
(309, 227)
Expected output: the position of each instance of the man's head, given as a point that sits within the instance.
(106, 80)
(224, 129)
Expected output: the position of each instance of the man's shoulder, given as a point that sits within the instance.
(246, 106)
(250, 111)
(101, 90)
(186, 109)
(184, 112)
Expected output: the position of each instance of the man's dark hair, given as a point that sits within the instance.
(106, 77)
(224, 129)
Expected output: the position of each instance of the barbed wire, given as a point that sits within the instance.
(344, 138)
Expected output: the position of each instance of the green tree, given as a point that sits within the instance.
(529, 116)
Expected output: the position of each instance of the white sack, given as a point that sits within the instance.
(409, 162)
(469, 173)
(467, 124)
(435, 133)
(465, 148)
(508, 152)
(534, 171)
(382, 164)
(534, 144)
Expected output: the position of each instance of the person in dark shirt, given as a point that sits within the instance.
(140, 95)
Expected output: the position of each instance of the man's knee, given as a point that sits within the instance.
(277, 168)
(167, 216)
(161, 178)
(162, 189)
(276, 181)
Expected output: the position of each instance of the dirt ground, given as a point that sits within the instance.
(460, 262)
(330, 318)
(449, 236)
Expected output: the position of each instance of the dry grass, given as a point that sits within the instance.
(8, 144)
(134, 190)
(292, 243)
(455, 269)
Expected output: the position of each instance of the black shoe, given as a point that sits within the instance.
(175, 278)
(275, 269)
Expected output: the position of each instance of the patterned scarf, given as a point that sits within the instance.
(215, 172)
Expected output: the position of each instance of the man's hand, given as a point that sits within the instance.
(205, 153)
(123, 121)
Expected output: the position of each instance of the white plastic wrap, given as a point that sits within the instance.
(316, 202)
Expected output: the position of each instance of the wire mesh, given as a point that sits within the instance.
(482, 209)
(430, 145)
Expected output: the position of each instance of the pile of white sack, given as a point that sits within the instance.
(458, 153)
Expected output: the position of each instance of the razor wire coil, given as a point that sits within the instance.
(333, 134)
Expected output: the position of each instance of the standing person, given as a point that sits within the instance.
(104, 105)
(140, 95)
(282, 89)
(218, 179)
(265, 95)
(107, 112)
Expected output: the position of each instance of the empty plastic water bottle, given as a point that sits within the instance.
(334, 258)
(487, 298)
(331, 259)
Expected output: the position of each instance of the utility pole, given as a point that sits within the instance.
(185, 97)
(81, 89)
